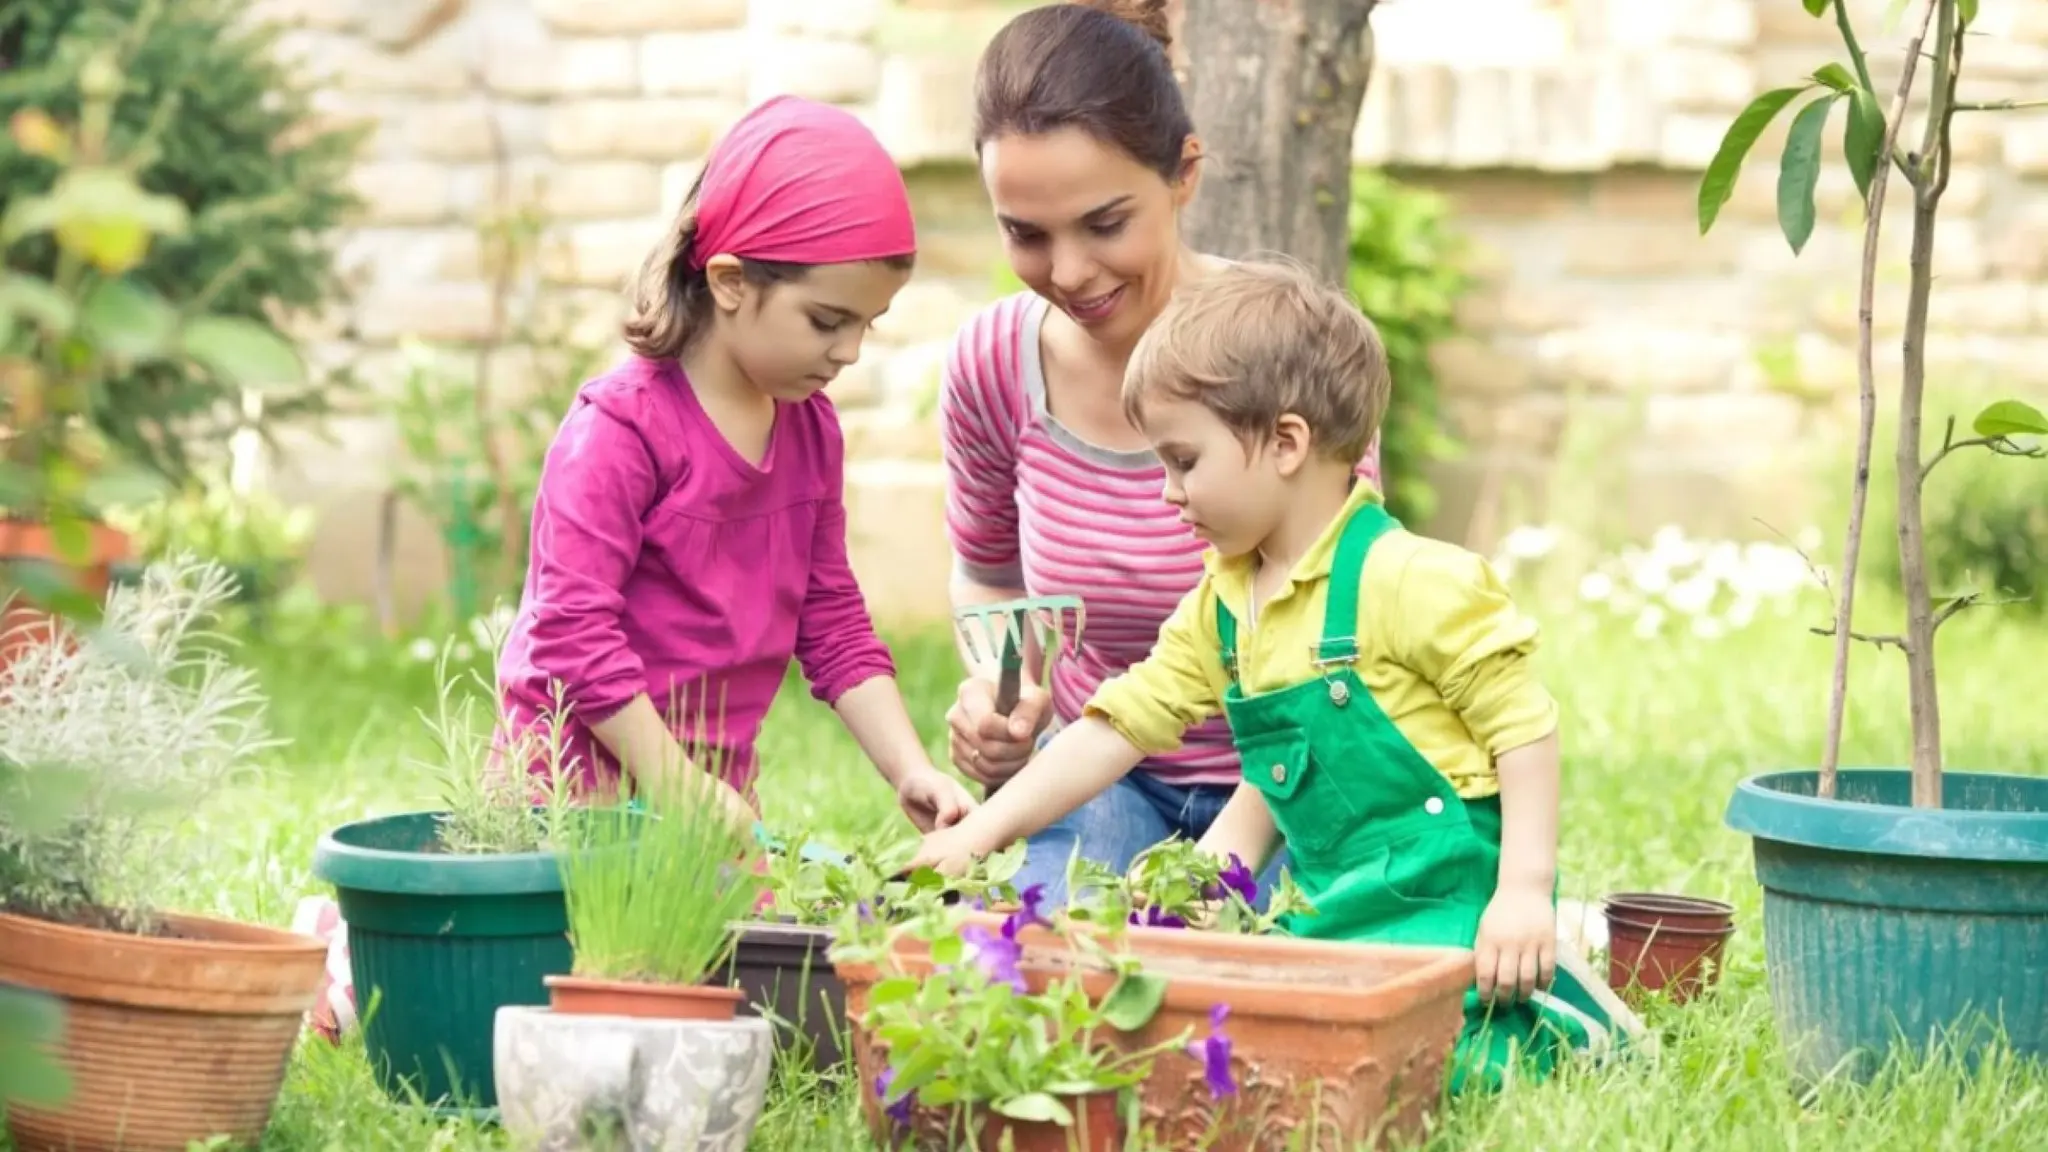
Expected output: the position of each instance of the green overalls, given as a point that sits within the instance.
(1377, 838)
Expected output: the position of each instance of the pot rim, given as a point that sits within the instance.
(233, 966)
(1781, 807)
(1666, 903)
(398, 872)
(1680, 931)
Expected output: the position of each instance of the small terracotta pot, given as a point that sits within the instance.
(1333, 1044)
(588, 996)
(170, 1039)
(1098, 1127)
(1646, 954)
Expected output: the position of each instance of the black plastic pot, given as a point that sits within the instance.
(784, 967)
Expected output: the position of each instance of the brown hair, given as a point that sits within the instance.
(1256, 340)
(1097, 65)
(672, 300)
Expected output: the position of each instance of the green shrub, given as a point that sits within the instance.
(236, 142)
(1407, 273)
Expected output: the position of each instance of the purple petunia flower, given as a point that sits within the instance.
(1152, 917)
(1239, 878)
(1027, 913)
(996, 956)
(897, 1109)
(1213, 1051)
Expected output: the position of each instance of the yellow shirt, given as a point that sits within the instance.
(1442, 648)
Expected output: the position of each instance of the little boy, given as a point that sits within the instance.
(1378, 684)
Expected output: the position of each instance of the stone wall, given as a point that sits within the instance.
(1693, 372)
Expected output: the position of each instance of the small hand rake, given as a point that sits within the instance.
(997, 633)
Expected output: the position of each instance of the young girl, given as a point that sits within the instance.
(689, 535)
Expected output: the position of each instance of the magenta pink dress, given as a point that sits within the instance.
(663, 562)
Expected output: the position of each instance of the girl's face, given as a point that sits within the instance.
(1088, 227)
(790, 339)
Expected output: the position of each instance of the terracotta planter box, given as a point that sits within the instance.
(1333, 1045)
(169, 1039)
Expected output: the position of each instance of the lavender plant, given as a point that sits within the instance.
(144, 716)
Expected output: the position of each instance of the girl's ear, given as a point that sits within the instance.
(728, 283)
(1292, 443)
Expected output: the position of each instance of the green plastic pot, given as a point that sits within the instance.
(442, 942)
(1886, 924)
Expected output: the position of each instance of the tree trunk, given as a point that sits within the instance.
(1274, 87)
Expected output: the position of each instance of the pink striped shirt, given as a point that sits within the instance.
(1031, 505)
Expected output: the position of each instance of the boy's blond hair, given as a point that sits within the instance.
(1259, 339)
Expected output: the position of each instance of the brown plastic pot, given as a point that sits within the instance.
(1332, 1044)
(1645, 956)
(170, 1039)
(1676, 911)
(785, 967)
(590, 996)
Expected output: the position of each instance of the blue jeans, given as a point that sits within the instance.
(1130, 816)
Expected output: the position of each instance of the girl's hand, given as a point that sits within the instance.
(950, 850)
(1516, 952)
(932, 799)
(990, 748)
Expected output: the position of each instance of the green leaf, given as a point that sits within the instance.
(127, 320)
(1719, 182)
(1037, 1106)
(29, 1021)
(947, 950)
(1799, 172)
(243, 351)
(1863, 139)
(1966, 11)
(892, 991)
(2011, 418)
(1134, 1001)
(39, 301)
(1817, 7)
(1835, 76)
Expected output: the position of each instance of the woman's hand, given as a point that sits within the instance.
(990, 748)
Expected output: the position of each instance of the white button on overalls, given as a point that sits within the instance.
(1434, 805)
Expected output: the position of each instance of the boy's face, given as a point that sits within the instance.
(1230, 494)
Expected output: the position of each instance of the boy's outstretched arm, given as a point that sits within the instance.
(1516, 950)
(1086, 757)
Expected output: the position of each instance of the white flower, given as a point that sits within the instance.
(1529, 542)
(1652, 578)
(1742, 612)
(1809, 538)
(1708, 628)
(1693, 595)
(1650, 622)
(1596, 586)
(421, 650)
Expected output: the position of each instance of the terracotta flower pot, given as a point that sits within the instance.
(1670, 944)
(31, 542)
(589, 996)
(170, 1039)
(1331, 1045)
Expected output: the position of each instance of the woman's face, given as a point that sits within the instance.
(1088, 227)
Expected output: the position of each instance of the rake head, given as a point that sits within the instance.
(997, 633)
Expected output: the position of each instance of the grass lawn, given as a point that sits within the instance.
(1658, 730)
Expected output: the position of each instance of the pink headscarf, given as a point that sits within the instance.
(802, 183)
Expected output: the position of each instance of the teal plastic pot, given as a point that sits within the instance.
(442, 942)
(1887, 924)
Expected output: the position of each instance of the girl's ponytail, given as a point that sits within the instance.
(672, 298)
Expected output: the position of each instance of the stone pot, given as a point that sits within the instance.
(567, 1083)
(1332, 1044)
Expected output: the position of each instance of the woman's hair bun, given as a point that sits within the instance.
(1149, 15)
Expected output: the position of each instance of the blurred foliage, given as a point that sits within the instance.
(226, 134)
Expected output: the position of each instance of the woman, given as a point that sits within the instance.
(1089, 158)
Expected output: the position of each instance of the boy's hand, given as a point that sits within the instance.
(1516, 951)
(932, 799)
(950, 850)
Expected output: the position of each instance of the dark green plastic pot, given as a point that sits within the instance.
(443, 942)
(1888, 924)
